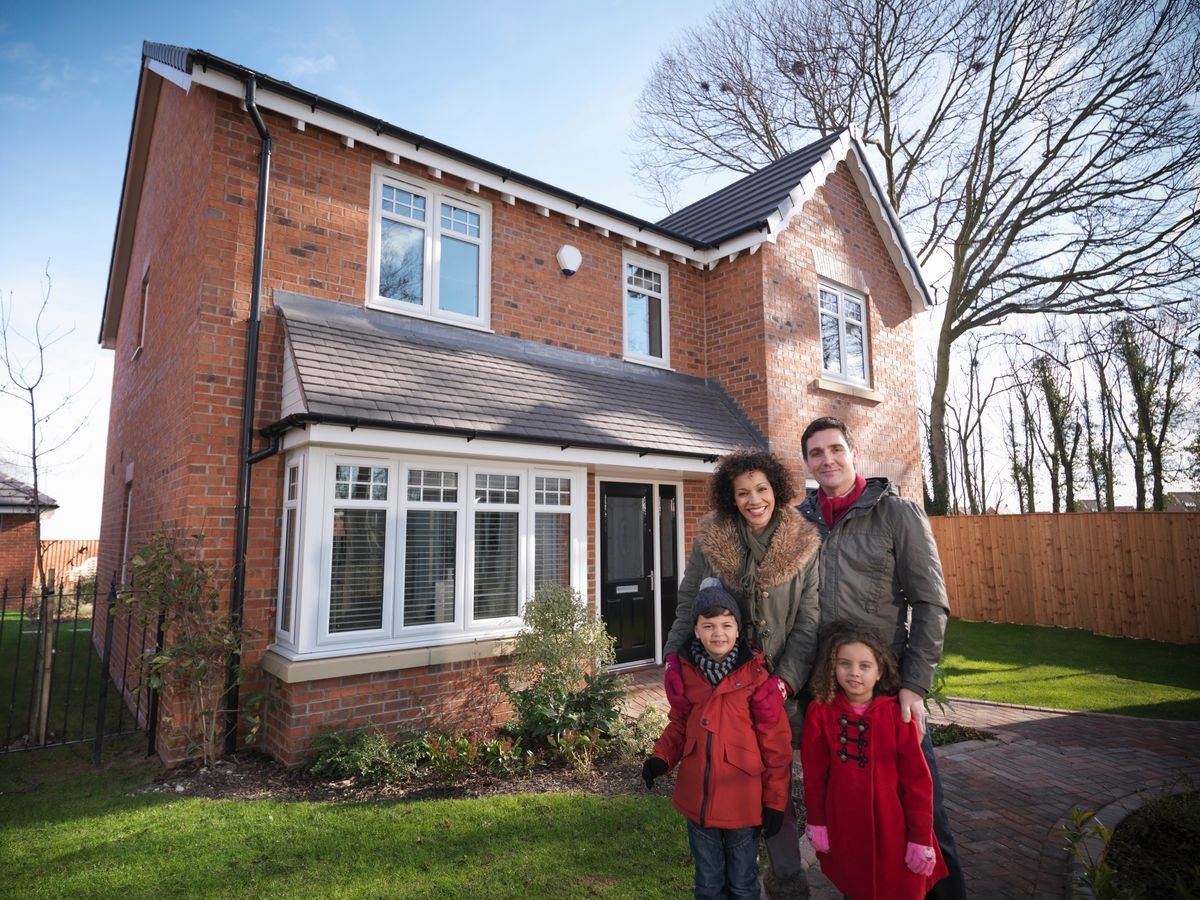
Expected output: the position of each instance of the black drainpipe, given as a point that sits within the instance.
(237, 589)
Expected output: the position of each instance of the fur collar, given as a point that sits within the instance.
(794, 544)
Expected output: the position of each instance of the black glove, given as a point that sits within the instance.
(772, 822)
(652, 769)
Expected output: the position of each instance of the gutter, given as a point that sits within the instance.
(247, 459)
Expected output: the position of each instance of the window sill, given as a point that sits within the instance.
(861, 391)
(291, 671)
(398, 309)
(649, 361)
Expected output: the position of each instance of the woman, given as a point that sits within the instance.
(765, 552)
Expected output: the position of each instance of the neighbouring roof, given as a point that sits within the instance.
(17, 497)
(737, 218)
(363, 367)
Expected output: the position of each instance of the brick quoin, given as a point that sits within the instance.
(750, 325)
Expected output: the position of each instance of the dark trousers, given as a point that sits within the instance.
(952, 886)
(726, 862)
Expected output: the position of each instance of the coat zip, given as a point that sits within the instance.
(707, 772)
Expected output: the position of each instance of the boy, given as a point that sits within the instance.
(733, 774)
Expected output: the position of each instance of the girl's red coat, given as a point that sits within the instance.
(728, 769)
(874, 809)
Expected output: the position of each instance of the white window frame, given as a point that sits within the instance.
(434, 195)
(663, 270)
(295, 506)
(843, 293)
(325, 636)
(311, 595)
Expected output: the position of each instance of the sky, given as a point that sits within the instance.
(548, 89)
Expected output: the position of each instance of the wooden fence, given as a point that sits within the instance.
(63, 559)
(1134, 574)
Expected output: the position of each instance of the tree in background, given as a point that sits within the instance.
(24, 360)
(1045, 152)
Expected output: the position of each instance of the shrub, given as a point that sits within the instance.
(634, 738)
(364, 755)
(556, 682)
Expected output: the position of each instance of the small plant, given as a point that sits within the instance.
(557, 682)
(634, 738)
(176, 587)
(578, 749)
(364, 755)
(1083, 834)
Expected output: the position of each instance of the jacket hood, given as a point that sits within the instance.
(794, 544)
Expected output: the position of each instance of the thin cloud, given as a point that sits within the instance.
(303, 66)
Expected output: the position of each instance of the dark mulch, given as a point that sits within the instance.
(952, 733)
(250, 775)
(1155, 850)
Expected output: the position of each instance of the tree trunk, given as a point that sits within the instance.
(938, 470)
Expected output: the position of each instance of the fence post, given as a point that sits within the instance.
(152, 710)
(102, 706)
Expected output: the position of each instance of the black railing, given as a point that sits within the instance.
(93, 690)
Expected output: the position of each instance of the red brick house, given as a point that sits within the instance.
(18, 535)
(469, 382)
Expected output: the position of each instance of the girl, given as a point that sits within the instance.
(866, 784)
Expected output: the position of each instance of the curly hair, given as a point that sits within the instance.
(739, 462)
(824, 686)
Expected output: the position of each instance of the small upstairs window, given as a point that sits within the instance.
(647, 313)
(844, 354)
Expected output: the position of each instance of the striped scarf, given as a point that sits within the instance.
(712, 669)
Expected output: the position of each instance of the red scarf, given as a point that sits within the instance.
(833, 508)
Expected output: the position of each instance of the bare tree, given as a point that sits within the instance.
(968, 435)
(24, 361)
(1049, 150)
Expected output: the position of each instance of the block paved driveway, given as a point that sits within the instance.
(1008, 797)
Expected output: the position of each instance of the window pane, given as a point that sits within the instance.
(856, 361)
(433, 486)
(643, 279)
(403, 203)
(293, 482)
(829, 301)
(429, 566)
(552, 491)
(831, 351)
(656, 327)
(461, 220)
(496, 542)
(498, 488)
(289, 554)
(624, 536)
(356, 583)
(552, 549)
(458, 287)
(360, 483)
(637, 323)
(401, 262)
(853, 309)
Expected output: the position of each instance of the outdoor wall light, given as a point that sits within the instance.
(569, 259)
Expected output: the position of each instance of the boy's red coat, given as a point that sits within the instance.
(872, 811)
(728, 769)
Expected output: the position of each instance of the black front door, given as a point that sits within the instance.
(627, 568)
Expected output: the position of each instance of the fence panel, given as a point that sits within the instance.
(67, 560)
(1135, 574)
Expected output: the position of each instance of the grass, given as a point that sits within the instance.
(1069, 669)
(68, 830)
(75, 685)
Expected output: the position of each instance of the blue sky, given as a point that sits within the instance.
(546, 88)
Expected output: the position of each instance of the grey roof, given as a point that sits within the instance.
(746, 204)
(17, 494)
(362, 366)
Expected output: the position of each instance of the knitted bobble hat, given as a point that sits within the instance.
(713, 593)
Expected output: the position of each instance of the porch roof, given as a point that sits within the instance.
(365, 367)
(17, 497)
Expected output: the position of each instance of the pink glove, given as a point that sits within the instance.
(673, 684)
(818, 836)
(767, 702)
(920, 860)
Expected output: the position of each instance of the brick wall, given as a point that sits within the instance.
(18, 547)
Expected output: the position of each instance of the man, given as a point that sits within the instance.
(880, 566)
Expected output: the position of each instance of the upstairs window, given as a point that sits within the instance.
(843, 334)
(647, 319)
(430, 251)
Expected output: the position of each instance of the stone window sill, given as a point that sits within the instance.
(861, 391)
(304, 670)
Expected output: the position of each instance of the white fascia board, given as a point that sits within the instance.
(366, 438)
(171, 74)
(904, 260)
(344, 128)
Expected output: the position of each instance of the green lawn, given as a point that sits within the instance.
(67, 830)
(1071, 669)
(75, 686)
